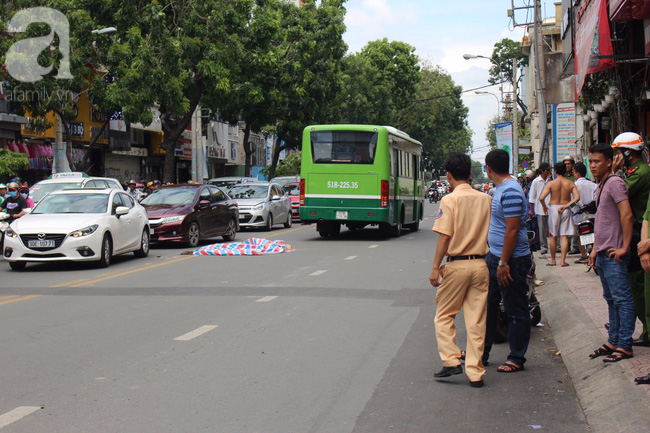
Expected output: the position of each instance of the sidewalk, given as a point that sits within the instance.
(576, 313)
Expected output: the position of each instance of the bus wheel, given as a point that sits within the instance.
(415, 226)
(328, 229)
(396, 230)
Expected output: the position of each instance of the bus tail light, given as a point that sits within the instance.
(384, 193)
(302, 192)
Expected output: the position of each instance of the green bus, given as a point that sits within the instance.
(359, 175)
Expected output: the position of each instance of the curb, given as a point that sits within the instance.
(609, 398)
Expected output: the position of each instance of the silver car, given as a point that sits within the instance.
(261, 204)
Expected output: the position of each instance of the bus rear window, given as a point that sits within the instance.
(343, 147)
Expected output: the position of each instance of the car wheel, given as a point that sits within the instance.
(17, 266)
(107, 252)
(144, 244)
(231, 231)
(289, 222)
(269, 222)
(193, 235)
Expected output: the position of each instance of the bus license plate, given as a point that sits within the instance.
(41, 244)
(587, 239)
(341, 214)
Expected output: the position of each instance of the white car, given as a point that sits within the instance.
(78, 225)
(262, 204)
(70, 180)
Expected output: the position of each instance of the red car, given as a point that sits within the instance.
(190, 213)
(293, 189)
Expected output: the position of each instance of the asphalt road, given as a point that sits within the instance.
(336, 336)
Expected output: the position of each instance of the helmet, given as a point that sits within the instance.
(12, 185)
(629, 140)
(529, 174)
(156, 182)
(2, 185)
(132, 182)
(569, 158)
(149, 184)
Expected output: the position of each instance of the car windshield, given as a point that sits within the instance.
(40, 190)
(224, 183)
(249, 191)
(292, 189)
(72, 203)
(171, 196)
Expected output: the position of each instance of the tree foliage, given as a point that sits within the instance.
(378, 83)
(503, 54)
(11, 162)
(437, 116)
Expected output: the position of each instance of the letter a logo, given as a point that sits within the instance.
(22, 57)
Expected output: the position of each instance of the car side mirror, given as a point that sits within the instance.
(204, 204)
(275, 198)
(121, 210)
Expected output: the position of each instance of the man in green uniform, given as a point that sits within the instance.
(629, 151)
(569, 162)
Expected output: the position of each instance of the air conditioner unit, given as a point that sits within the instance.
(137, 137)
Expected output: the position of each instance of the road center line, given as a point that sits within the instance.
(266, 299)
(121, 274)
(317, 273)
(196, 333)
(22, 298)
(16, 414)
(8, 297)
(351, 258)
(373, 246)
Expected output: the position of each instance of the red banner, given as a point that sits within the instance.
(592, 41)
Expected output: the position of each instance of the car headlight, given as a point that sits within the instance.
(10, 233)
(173, 219)
(258, 206)
(84, 231)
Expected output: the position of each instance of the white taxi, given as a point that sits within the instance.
(70, 180)
(78, 225)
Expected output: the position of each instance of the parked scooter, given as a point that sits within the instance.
(584, 218)
(502, 326)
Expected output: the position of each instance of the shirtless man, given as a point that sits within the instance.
(560, 221)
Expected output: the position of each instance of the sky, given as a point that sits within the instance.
(441, 32)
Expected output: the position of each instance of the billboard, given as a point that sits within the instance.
(564, 131)
(504, 139)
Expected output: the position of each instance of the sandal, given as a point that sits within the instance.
(603, 350)
(509, 367)
(617, 355)
(582, 260)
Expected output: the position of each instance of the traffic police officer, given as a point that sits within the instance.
(629, 150)
(463, 229)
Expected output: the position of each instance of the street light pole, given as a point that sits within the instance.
(478, 92)
(475, 56)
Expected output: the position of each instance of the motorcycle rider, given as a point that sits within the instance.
(3, 192)
(15, 204)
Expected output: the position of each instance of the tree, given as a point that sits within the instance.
(379, 83)
(307, 72)
(477, 172)
(437, 116)
(10, 162)
(503, 55)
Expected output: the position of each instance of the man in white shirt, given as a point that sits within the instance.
(536, 188)
(586, 188)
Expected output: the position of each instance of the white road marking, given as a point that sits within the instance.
(351, 258)
(317, 273)
(196, 333)
(373, 246)
(16, 414)
(266, 299)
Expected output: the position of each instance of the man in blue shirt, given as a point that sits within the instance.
(508, 262)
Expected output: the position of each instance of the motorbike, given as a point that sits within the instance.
(583, 217)
(433, 196)
(3, 226)
(502, 326)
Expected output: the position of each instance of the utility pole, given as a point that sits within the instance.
(541, 100)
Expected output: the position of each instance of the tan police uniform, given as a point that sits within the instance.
(465, 217)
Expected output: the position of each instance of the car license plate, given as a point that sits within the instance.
(341, 214)
(40, 244)
(587, 239)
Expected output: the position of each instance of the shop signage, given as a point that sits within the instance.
(119, 140)
(504, 139)
(77, 129)
(593, 41)
(564, 130)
